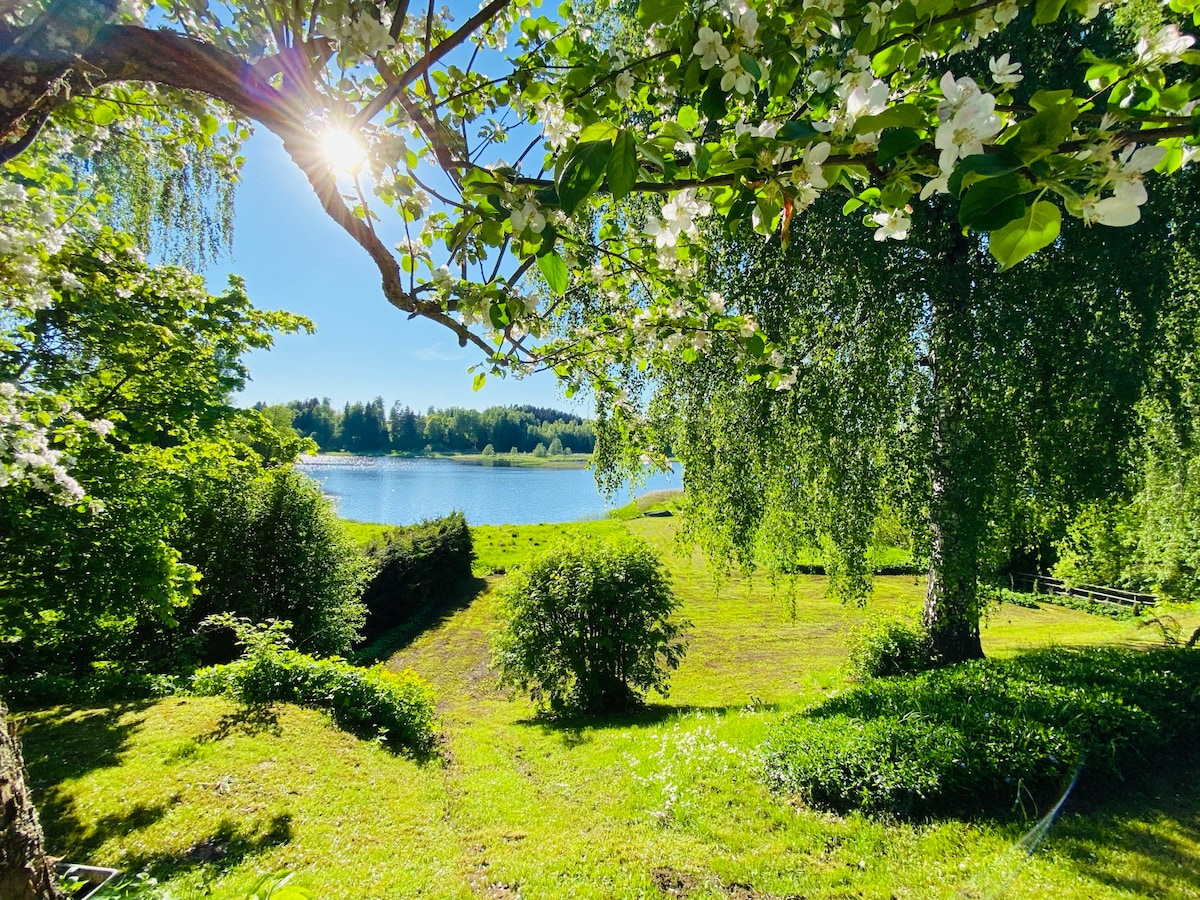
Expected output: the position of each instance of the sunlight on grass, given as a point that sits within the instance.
(664, 803)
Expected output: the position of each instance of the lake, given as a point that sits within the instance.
(396, 491)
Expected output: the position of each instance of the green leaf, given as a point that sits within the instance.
(598, 131)
(896, 142)
(1047, 11)
(622, 164)
(554, 270)
(981, 165)
(784, 69)
(582, 173)
(904, 115)
(888, 60)
(479, 381)
(750, 64)
(713, 104)
(651, 11)
(755, 345)
(1045, 131)
(799, 130)
(1036, 229)
(688, 118)
(104, 114)
(992, 204)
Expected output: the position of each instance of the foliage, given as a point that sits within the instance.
(362, 428)
(269, 546)
(738, 112)
(412, 566)
(1146, 537)
(587, 626)
(885, 647)
(986, 737)
(141, 360)
(395, 708)
(980, 407)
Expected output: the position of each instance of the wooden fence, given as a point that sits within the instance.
(1094, 593)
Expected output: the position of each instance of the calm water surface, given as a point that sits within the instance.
(398, 491)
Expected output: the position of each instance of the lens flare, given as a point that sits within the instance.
(343, 150)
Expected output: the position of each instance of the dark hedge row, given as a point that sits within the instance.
(415, 565)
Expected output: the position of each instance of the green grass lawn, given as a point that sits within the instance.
(665, 804)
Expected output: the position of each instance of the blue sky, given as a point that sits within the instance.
(294, 257)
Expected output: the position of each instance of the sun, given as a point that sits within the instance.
(343, 150)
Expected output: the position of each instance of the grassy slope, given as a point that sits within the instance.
(665, 804)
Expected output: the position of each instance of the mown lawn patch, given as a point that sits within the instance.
(668, 802)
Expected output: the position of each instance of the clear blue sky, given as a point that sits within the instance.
(294, 257)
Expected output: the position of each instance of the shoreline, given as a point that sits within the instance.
(499, 460)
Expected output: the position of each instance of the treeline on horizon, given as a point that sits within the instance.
(367, 428)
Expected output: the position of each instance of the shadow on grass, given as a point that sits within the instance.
(1143, 840)
(61, 744)
(573, 728)
(226, 847)
(383, 646)
(248, 719)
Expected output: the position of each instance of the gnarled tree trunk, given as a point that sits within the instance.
(25, 873)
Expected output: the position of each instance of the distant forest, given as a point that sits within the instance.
(367, 428)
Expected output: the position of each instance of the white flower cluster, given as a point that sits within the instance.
(27, 452)
(687, 755)
(968, 119)
(712, 51)
(556, 127)
(1164, 47)
(679, 217)
(1123, 177)
(858, 94)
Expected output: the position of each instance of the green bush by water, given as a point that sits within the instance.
(987, 737)
(587, 626)
(412, 565)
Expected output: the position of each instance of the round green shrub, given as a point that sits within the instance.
(891, 764)
(587, 626)
(270, 546)
(889, 647)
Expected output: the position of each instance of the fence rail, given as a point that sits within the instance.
(1042, 584)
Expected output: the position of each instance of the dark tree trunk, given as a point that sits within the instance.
(959, 466)
(25, 873)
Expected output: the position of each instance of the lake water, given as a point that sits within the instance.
(396, 491)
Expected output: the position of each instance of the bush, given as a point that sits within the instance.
(889, 647)
(586, 626)
(269, 546)
(987, 736)
(413, 566)
(371, 703)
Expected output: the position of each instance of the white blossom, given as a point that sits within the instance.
(1165, 46)
(624, 85)
(892, 224)
(528, 216)
(962, 135)
(736, 77)
(1005, 72)
(709, 48)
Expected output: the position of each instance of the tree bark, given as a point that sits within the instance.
(959, 470)
(25, 872)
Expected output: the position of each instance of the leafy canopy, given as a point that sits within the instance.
(735, 110)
